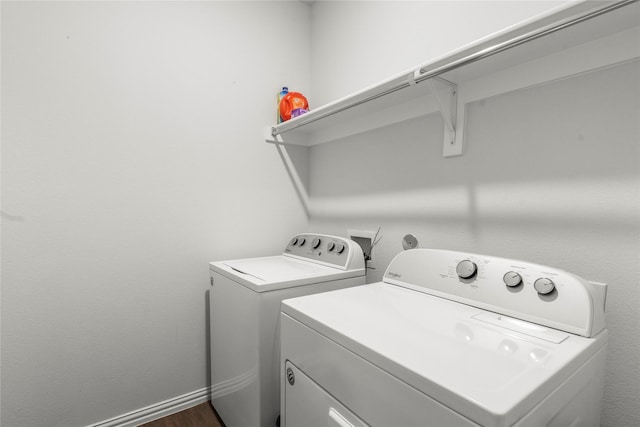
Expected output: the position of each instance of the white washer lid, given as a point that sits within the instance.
(279, 272)
(487, 373)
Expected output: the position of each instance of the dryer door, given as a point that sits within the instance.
(307, 404)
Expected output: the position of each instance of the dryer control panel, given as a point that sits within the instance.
(522, 290)
(325, 249)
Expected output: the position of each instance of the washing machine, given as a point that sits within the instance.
(447, 339)
(244, 302)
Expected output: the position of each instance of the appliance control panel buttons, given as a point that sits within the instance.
(466, 269)
(331, 250)
(542, 295)
(544, 286)
(512, 279)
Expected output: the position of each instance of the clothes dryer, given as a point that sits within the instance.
(447, 339)
(244, 302)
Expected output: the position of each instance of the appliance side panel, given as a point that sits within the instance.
(235, 381)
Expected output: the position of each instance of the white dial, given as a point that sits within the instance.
(302, 241)
(512, 279)
(466, 269)
(294, 241)
(544, 286)
(331, 246)
(315, 243)
(340, 248)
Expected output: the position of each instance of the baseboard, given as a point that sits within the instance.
(158, 410)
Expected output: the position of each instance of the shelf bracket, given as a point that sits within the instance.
(445, 94)
(272, 136)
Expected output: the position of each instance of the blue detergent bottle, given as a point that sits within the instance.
(281, 94)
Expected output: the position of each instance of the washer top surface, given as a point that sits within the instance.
(489, 367)
(278, 272)
(307, 259)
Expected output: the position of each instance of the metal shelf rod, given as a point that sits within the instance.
(426, 73)
(433, 70)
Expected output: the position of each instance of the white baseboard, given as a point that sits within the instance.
(158, 410)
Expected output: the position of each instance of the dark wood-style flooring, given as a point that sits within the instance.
(202, 415)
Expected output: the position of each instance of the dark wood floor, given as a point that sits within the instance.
(202, 415)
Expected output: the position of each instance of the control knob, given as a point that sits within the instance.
(294, 241)
(315, 243)
(466, 269)
(340, 248)
(512, 279)
(331, 246)
(302, 241)
(544, 286)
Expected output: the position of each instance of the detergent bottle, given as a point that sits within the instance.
(293, 104)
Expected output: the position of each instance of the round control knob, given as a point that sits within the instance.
(302, 241)
(331, 246)
(294, 241)
(466, 269)
(544, 286)
(315, 243)
(512, 279)
(340, 248)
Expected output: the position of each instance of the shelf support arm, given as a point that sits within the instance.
(301, 190)
(445, 94)
(448, 106)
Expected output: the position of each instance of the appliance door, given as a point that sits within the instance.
(307, 404)
(278, 272)
(373, 395)
(279, 268)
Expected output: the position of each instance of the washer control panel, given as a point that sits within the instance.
(331, 250)
(467, 269)
(523, 290)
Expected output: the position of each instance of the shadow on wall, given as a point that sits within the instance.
(564, 153)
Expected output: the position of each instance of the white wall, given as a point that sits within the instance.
(357, 44)
(550, 174)
(132, 155)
